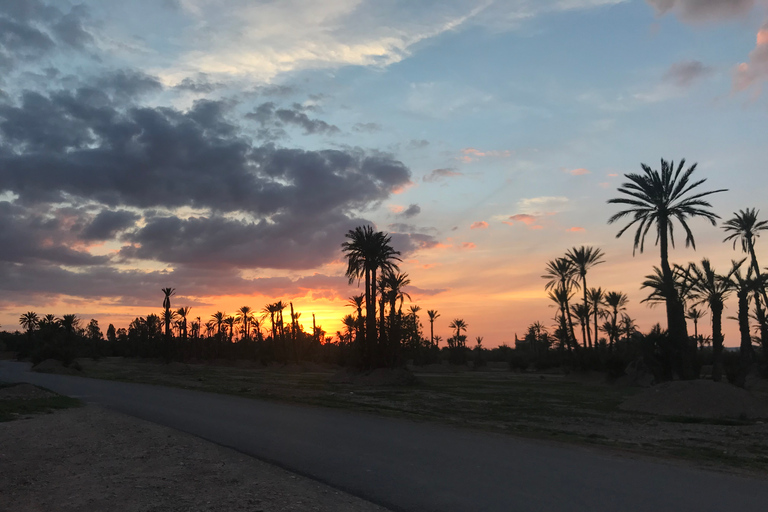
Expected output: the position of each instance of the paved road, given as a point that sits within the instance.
(418, 467)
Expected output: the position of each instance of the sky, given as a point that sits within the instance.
(224, 148)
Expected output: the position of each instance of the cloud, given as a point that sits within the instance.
(576, 229)
(418, 143)
(703, 10)
(577, 172)
(479, 225)
(367, 127)
(471, 154)
(129, 173)
(526, 219)
(468, 245)
(544, 205)
(685, 73)
(412, 211)
(748, 74)
(439, 174)
(269, 116)
(199, 85)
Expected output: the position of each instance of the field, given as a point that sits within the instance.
(581, 409)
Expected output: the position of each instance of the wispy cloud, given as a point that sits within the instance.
(577, 172)
(439, 174)
(576, 229)
(479, 225)
(472, 154)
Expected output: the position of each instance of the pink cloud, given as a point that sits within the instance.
(604, 184)
(402, 188)
(750, 73)
(396, 208)
(521, 217)
(479, 225)
(578, 172)
(468, 245)
(576, 229)
(613, 174)
(438, 174)
(472, 154)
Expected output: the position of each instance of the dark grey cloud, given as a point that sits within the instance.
(367, 127)
(200, 84)
(268, 206)
(269, 116)
(685, 73)
(124, 85)
(703, 10)
(412, 211)
(108, 223)
(33, 236)
(439, 174)
(30, 29)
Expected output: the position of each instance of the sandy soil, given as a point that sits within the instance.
(92, 459)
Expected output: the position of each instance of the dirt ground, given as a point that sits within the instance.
(88, 458)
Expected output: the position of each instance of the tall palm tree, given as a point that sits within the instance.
(561, 272)
(582, 314)
(459, 325)
(711, 289)
(368, 251)
(29, 321)
(182, 314)
(584, 258)
(230, 323)
(244, 316)
(657, 198)
(169, 292)
(560, 296)
(744, 286)
(617, 301)
(218, 318)
(695, 315)
(745, 228)
(596, 297)
(433, 315)
(356, 301)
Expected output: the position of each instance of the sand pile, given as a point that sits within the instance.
(55, 366)
(24, 392)
(699, 399)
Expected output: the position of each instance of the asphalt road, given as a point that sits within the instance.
(412, 466)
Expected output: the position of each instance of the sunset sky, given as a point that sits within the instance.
(224, 148)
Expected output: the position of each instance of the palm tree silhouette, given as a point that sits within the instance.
(745, 228)
(596, 297)
(459, 325)
(433, 315)
(617, 301)
(245, 317)
(356, 301)
(561, 297)
(167, 306)
(744, 286)
(182, 314)
(582, 313)
(368, 251)
(657, 198)
(695, 315)
(561, 273)
(29, 321)
(583, 259)
(709, 288)
(218, 318)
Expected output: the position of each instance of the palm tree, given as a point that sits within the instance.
(218, 318)
(368, 251)
(711, 289)
(167, 306)
(350, 325)
(459, 325)
(561, 272)
(433, 315)
(391, 285)
(627, 326)
(582, 313)
(29, 321)
(695, 315)
(744, 227)
(70, 323)
(182, 313)
(658, 198)
(356, 301)
(230, 323)
(596, 296)
(744, 286)
(617, 301)
(583, 259)
(245, 316)
(560, 296)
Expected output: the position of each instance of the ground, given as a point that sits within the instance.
(87, 458)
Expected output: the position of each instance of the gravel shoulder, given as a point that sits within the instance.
(89, 458)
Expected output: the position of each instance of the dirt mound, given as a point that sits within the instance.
(55, 366)
(24, 392)
(377, 377)
(699, 399)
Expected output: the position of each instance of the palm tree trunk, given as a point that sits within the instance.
(745, 347)
(588, 342)
(717, 342)
(676, 327)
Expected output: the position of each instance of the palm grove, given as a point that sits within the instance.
(379, 333)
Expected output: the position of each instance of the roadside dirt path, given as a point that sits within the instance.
(92, 459)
